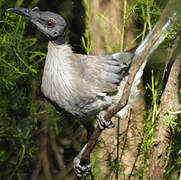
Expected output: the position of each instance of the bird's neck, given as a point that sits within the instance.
(59, 40)
(59, 58)
(57, 75)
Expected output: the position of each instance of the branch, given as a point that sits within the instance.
(140, 56)
(168, 22)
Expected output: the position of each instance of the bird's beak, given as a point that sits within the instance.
(30, 14)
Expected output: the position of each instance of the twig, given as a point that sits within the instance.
(174, 112)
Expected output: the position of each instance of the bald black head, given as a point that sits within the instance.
(49, 23)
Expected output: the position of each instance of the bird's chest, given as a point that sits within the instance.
(60, 89)
(56, 85)
(63, 84)
(57, 80)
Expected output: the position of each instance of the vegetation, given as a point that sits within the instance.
(19, 64)
(23, 109)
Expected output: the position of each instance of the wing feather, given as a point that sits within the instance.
(104, 73)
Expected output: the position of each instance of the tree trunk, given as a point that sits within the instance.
(169, 101)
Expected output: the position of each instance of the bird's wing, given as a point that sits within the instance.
(104, 73)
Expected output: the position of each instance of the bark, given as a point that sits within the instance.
(169, 101)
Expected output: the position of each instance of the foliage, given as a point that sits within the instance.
(19, 62)
(174, 153)
(150, 122)
(86, 39)
(17, 59)
(145, 13)
(22, 108)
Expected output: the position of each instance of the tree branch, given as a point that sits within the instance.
(165, 25)
(138, 60)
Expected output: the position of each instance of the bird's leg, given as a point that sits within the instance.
(78, 168)
(102, 123)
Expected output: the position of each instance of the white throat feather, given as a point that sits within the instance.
(57, 75)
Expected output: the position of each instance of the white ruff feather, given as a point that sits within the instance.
(57, 77)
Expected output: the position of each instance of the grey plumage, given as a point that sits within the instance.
(81, 84)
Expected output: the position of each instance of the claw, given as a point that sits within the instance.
(78, 168)
(102, 123)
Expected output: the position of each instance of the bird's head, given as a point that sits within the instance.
(49, 23)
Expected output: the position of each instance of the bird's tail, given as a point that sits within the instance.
(168, 24)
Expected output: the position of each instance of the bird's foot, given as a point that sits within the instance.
(78, 168)
(102, 123)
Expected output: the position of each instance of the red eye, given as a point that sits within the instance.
(50, 23)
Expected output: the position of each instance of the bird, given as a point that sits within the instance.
(84, 85)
